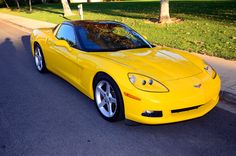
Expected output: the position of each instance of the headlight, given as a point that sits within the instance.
(211, 71)
(146, 83)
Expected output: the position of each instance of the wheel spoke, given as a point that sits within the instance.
(38, 51)
(108, 88)
(101, 91)
(39, 57)
(103, 102)
(41, 61)
(36, 60)
(110, 109)
(112, 100)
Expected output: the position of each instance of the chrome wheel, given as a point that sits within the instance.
(106, 99)
(38, 58)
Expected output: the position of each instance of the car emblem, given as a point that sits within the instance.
(198, 85)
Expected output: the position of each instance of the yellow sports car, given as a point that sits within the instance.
(124, 74)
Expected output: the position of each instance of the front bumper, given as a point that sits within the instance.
(182, 104)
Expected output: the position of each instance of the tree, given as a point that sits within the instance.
(17, 3)
(6, 4)
(30, 6)
(66, 8)
(164, 12)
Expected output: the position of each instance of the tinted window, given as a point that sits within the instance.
(66, 32)
(108, 37)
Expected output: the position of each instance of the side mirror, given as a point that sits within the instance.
(63, 43)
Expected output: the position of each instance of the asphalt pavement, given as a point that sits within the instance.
(43, 115)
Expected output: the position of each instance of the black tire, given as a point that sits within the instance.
(38, 53)
(119, 113)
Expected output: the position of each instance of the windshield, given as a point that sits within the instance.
(103, 36)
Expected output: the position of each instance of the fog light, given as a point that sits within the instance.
(150, 113)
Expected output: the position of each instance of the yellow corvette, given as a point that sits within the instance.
(124, 74)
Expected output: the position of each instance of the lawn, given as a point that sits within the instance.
(208, 27)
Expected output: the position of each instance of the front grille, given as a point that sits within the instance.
(184, 109)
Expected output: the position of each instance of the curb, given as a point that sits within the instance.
(228, 97)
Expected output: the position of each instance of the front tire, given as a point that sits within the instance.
(108, 98)
(39, 59)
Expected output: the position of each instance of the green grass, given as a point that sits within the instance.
(208, 27)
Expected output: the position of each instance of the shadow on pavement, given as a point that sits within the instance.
(26, 43)
(7, 45)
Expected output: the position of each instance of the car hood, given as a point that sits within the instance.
(158, 63)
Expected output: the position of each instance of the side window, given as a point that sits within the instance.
(66, 32)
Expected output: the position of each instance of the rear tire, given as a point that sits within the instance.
(39, 59)
(108, 98)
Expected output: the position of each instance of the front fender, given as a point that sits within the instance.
(93, 64)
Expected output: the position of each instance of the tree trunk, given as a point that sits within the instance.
(30, 6)
(66, 8)
(6, 4)
(17, 3)
(164, 12)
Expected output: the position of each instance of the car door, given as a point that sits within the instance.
(63, 59)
